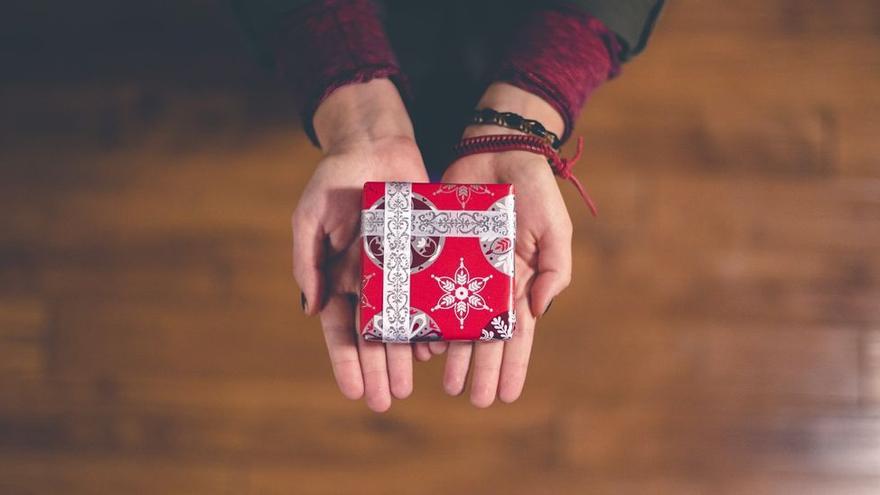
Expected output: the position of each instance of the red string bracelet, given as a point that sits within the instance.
(521, 142)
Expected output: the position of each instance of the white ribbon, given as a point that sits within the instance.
(446, 223)
(397, 230)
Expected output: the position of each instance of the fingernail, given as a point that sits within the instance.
(548, 307)
(304, 302)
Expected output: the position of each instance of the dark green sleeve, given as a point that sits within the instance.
(631, 20)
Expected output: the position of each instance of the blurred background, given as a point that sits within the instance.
(721, 335)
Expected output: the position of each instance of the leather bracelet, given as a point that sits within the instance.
(562, 167)
(517, 122)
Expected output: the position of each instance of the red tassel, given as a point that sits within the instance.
(562, 167)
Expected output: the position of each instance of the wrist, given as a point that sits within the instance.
(362, 113)
(505, 97)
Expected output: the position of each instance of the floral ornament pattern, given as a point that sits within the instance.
(461, 293)
(425, 247)
(364, 282)
(445, 223)
(397, 261)
(501, 327)
(422, 328)
(463, 191)
(498, 248)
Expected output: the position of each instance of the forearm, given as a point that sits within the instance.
(505, 97)
(561, 55)
(361, 113)
(327, 45)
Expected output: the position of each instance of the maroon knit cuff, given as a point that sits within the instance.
(326, 44)
(561, 54)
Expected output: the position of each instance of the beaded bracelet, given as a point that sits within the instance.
(562, 167)
(517, 122)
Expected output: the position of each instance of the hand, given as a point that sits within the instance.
(543, 251)
(365, 134)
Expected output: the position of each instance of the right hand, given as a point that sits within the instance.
(366, 135)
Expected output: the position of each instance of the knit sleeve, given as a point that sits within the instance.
(326, 44)
(561, 54)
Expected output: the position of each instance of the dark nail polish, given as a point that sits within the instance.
(304, 302)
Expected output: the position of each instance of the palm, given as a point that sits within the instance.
(543, 258)
(326, 265)
(332, 198)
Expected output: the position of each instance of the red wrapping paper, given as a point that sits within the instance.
(437, 262)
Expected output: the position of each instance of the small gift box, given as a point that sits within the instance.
(437, 262)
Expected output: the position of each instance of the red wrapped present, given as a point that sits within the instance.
(437, 262)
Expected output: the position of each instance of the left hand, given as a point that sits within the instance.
(365, 134)
(543, 260)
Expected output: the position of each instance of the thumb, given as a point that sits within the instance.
(554, 269)
(308, 256)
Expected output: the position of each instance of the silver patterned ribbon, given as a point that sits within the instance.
(446, 223)
(397, 235)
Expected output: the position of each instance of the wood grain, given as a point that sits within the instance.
(720, 334)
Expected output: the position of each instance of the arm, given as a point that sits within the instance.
(365, 134)
(557, 60)
(326, 44)
(337, 59)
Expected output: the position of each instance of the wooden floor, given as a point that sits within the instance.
(721, 335)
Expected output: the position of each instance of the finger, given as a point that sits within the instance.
(458, 360)
(308, 241)
(375, 372)
(438, 347)
(400, 369)
(421, 351)
(337, 321)
(487, 366)
(517, 350)
(554, 268)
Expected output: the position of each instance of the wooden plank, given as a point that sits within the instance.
(603, 443)
(755, 16)
(23, 333)
(20, 475)
(719, 335)
(141, 341)
(869, 363)
(676, 437)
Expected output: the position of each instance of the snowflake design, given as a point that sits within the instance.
(364, 301)
(461, 293)
(463, 191)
